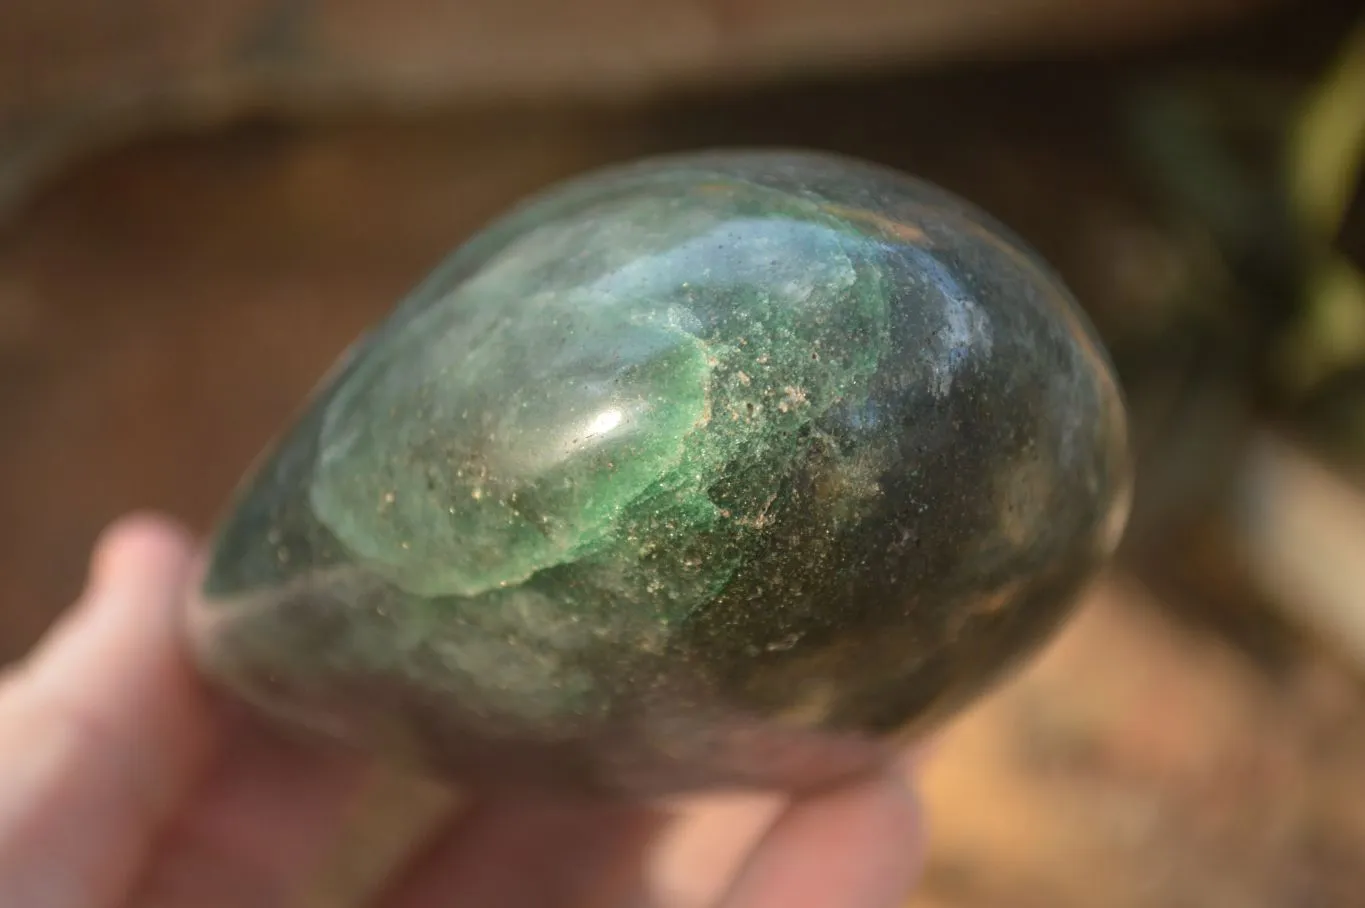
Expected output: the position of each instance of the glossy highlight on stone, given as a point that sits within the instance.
(725, 469)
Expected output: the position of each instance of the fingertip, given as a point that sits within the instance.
(104, 727)
(893, 811)
(913, 760)
(908, 822)
(137, 543)
(862, 846)
(137, 571)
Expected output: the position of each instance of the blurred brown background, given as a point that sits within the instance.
(201, 205)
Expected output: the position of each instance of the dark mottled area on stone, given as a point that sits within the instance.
(816, 557)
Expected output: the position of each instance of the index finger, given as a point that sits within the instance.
(103, 729)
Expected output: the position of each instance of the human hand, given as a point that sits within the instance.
(126, 785)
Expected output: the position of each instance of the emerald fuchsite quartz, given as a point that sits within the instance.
(712, 470)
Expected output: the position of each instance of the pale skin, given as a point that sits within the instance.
(126, 784)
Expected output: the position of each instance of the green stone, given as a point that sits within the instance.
(712, 470)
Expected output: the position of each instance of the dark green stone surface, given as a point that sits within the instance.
(721, 469)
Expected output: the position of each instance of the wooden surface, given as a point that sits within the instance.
(76, 73)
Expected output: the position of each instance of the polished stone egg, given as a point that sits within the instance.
(714, 470)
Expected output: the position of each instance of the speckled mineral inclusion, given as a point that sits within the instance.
(576, 401)
(710, 469)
